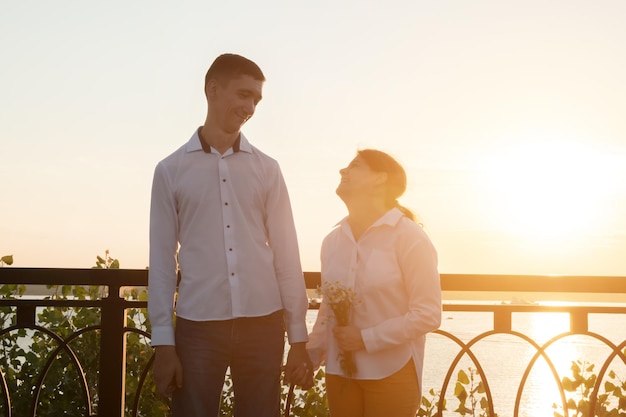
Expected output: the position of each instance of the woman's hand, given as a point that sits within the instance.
(349, 338)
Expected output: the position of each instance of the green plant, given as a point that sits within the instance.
(24, 353)
(107, 262)
(429, 405)
(138, 351)
(610, 403)
(6, 260)
(310, 403)
(470, 390)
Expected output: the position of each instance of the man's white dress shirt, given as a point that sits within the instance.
(230, 213)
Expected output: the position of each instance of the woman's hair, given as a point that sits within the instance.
(395, 186)
(229, 66)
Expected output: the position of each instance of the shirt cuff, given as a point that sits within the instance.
(163, 335)
(369, 340)
(297, 334)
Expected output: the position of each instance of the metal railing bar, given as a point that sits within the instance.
(524, 308)
(541, 351)
(472, 286)
(64, 346)
(68, 303)
(617, 351)
(5, 393)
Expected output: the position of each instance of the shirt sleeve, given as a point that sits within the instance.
(318, 338)
(417, 260)
(284, 243)
(317, 345)
(162, 271)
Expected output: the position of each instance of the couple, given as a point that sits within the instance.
(221, 214)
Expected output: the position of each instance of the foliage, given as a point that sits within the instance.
(470, 390)
(107, 262)
(610, 403)
(25, 353)
(429, 407)
(6, 260)
(311, 403)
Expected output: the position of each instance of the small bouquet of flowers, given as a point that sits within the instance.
(340, 300)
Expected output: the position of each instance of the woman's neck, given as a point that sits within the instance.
(361, 218)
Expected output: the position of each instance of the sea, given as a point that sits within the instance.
(504, 358)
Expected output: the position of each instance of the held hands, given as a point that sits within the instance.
(348, 338)
(167, 371)
(299, 369)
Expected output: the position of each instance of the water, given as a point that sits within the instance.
(504, 358)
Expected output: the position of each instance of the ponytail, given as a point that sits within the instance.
(395, 186)
(407, 212)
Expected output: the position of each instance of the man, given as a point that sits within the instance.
(221, 213)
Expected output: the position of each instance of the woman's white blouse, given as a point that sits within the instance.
(393, 271)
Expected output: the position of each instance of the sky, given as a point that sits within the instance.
(508, 117)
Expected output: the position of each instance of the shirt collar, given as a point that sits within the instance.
(196, 144)
(390, 218)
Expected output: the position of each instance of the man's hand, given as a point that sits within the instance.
(167, 371)
(299, 369)
(348, 338)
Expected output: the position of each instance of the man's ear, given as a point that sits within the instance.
(211, 88)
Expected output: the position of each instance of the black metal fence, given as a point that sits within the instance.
(112, 325)
(113, 329)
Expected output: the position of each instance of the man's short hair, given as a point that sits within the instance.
(229, 66)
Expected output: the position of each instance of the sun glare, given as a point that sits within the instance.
(551, 190)
(542, 387)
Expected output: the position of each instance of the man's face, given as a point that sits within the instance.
(234, 103)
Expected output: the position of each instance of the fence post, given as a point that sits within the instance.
(112, 374)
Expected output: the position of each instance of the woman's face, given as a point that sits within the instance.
(357, 179)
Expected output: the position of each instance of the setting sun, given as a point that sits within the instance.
(551, 189)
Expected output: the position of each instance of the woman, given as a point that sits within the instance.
(381, 256)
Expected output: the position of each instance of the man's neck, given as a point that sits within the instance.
(216, 139)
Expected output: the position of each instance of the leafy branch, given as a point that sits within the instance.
(6, 260)
(610, 403)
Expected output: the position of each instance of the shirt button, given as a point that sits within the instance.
(230, 249)
(228, 226)
(224, 180)
(226, 203)
(232, 274)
